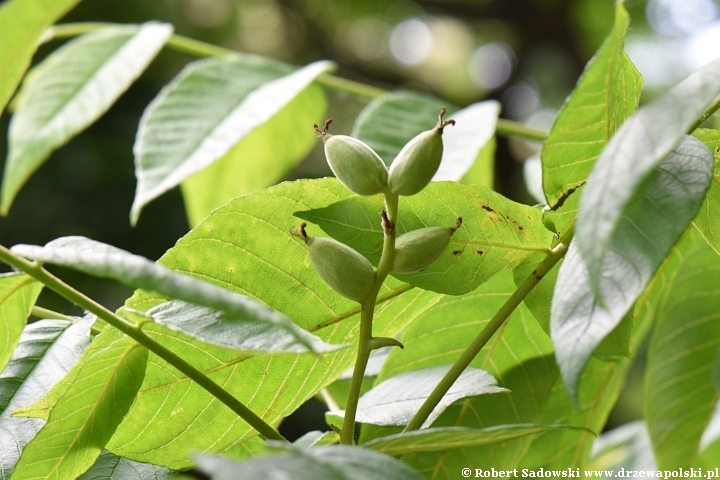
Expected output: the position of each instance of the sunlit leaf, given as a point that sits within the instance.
(108, 376)
(71, 89)
(641, 144)
(22, 24)
(396, 400)
(18, 293)
(204, 112)
(225, 330)
(48, 350)
(259, 160)
(103, 260)
(605, 95)
(444, 438)
(679, 396)
(651, 224)
(246, 247)
(708, 219)
(519, 356)
(496, 233)
(337, 462)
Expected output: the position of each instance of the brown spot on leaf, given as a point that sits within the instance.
(479, 252)
(489, 209)
(456, 252)
(520, 228)
(565, 196)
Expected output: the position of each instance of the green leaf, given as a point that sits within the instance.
(48, 349)
(102, 260)
(390, 121)
(519, 356)
(246, 247)
(651, 224)
(679, 396)
(605, 95)
(18, 293)
(71, 89)
(225, 330)
(209, 107)
(496, 233)
(22, 24)
(259, 160)
(316, 438)
(336, 462)
(396, 400)
(112, 467)
(641, 144)
(707, 219)
(108, 377)
(440, 439)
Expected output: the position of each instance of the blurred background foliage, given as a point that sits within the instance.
(525, 53)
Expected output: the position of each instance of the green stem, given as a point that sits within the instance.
(486, 333)
(706, 114)
(365, 341)
(203, 49)
(516, 129)
(35, 270)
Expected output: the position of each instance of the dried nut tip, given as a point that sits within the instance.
(323, 134)
(300, 231)
(457, 224)
(443, 123)
(417, 250)
(356, 165)
(345, 270)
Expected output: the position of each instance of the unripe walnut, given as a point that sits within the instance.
(418, 161)
(345, 270)
(417, 250)
(354, 163)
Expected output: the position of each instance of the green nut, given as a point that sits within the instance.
(345, 270)
(355, 164)
(418, 161)
(417, 250)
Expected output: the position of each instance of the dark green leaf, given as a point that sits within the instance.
(22, 24)
(496, 233)
(108, 377)
(204, 112)
(225, 330)
(679, 396)
(112, 467)
(396, 400)
(71, 89)
(18, 293)
(444, 438)
(337, 462)
(651, 224)
(641, 144)
(48, 349)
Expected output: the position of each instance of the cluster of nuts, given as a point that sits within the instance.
(362, 171)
